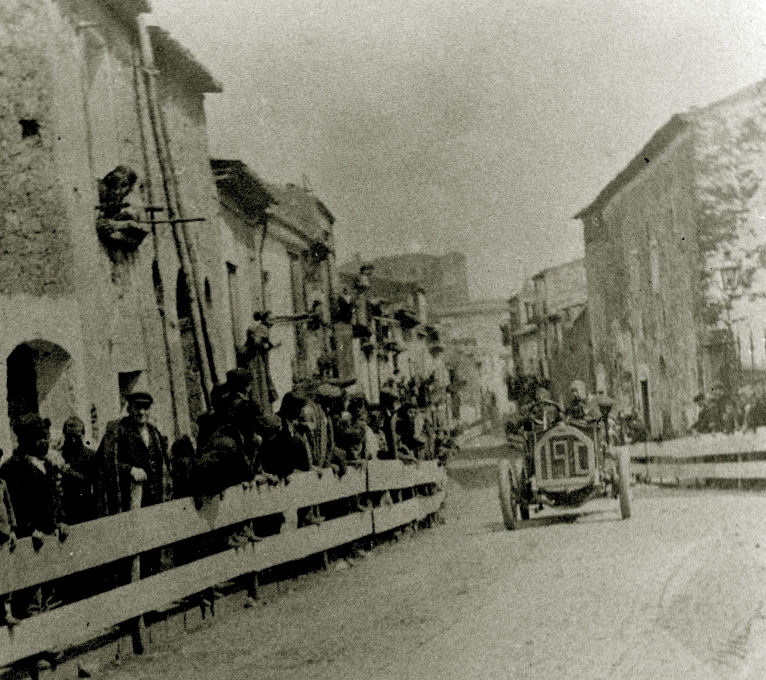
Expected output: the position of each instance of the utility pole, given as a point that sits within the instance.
(175, 209)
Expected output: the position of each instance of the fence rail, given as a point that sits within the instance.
(740, 456)
(106, 540)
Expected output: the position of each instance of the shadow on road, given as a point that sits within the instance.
(552, 518)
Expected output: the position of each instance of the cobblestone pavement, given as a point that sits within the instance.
(675, 592)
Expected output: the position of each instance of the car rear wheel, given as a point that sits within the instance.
(508, 496)
(623, 471)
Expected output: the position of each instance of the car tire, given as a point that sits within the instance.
(524, 511)
(623, 471)
(506, 488)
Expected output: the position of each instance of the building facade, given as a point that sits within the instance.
(674, 252)
(277, 243)
(549, 329)
(442, 278)
(393, 341)
(106, 243)
(479, 356)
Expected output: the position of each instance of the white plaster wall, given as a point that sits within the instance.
(279, 300)
(24, 319)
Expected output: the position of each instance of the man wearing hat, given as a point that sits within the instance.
(32, 490)
(256, 424)
(133, 451)
(30, 480)
(329, 400)
(79, 474)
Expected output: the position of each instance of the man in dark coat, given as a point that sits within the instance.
(719, 412)
(7, 536)
(31, 482)
(133, 451)
(405, 429)
(79, 474)
(290, 449)
(32, 489)
(389, 410)
(256, 425)
(212, 419)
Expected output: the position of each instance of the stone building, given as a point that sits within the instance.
(549, 328)
(392, 339)
(478, 353)
(103, 129)
(674, 255)
(277, 243)
(442, 278)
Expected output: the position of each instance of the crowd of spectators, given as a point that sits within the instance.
(321, 427)
(726, 412)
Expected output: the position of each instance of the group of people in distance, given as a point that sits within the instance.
(319, 426)
(723, 411)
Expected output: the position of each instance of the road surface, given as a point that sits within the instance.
(679, 591)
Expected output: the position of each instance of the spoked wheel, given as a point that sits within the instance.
(509, 503)
(623, 471)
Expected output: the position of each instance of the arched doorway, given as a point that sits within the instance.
(39, 380)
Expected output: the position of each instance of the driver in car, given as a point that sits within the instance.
(543, 412)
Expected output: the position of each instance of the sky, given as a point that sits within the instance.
(478, 126)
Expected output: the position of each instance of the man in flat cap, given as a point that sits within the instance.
(133, 451)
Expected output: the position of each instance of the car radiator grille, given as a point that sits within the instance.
(563, 458)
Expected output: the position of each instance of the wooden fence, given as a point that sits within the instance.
(713, 456)
(415, 492)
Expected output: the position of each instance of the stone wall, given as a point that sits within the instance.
(641, 262)
(71, 67)
(35, 245)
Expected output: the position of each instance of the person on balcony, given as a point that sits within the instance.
(253, 356)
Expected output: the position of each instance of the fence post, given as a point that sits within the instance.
(139, 632)
(646, 460)
(739, 472)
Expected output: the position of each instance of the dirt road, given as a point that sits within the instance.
(675, 592)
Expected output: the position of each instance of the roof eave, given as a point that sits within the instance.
(169, 52)
(659, 141)
(129, 8)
